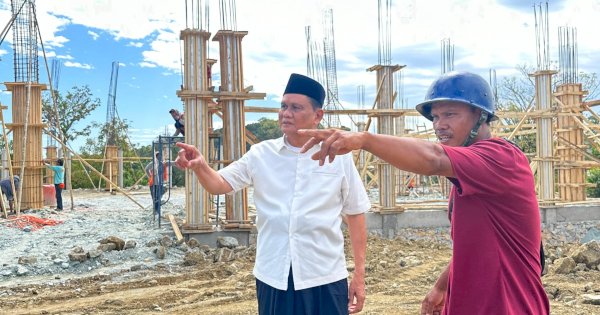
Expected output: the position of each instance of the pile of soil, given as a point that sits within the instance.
(155, 273)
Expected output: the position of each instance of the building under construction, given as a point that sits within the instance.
(559, 118)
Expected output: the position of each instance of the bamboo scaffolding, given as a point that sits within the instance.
(117, 188)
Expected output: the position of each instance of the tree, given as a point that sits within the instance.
(517, 93)
(265, 129)
(75, 106)
(115, 132)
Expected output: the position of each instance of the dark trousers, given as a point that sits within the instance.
(156, 191)
(327, 299)
(58, 192)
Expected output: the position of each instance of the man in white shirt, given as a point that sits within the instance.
(300, 264)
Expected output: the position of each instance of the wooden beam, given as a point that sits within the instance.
(175, 227)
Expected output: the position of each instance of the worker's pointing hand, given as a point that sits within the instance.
(333, 142)
(188, 157)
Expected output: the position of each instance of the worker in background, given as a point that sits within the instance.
(497, 261)
(300, 264)
(153, 168)
(59, 181)
(7, 191)
(179, 122)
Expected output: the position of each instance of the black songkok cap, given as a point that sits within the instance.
(299, 84)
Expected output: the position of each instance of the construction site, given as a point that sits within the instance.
(115, 250)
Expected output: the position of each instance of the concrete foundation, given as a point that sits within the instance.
(391, 225)
(244, 237)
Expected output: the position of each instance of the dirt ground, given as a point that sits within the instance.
(399, 274)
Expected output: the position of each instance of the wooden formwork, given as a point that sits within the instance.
(196, 96)
(51, 155)
(571, 171)
(385, 100)
(111, 166)
(27, 145)
(234, 137)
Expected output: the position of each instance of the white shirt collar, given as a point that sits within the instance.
(283, 143)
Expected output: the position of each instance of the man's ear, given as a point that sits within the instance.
(319, 116)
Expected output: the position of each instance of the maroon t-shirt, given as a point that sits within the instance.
(496, 231)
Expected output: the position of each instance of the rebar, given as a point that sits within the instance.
(494, 84)
(447, 58)
(567, 54)
(25, 44)
(195, 16)
(227, 10)
(542, 36)
(385, 31)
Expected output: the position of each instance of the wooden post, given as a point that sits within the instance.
(111, 168)
(51, 155)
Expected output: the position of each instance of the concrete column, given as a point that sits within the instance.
(196, 97)
(571, 168)
(385, 125)
(234, 137)
(544, 135)
(27, 109)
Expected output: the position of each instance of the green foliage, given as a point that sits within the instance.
(517, 93)
(133, 169)
(73, 107)
(594, 178)
(113, 133)
(265, 129)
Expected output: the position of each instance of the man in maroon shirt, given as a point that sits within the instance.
(495, 266)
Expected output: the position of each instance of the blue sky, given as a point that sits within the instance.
(143, 36)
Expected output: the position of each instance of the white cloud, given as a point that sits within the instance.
(77, 65)
(65, 57)
(147, 65)
(94, 35)
(485, 34)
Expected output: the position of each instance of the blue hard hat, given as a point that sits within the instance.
(463, 87)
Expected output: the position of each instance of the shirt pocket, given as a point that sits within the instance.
(325, 170)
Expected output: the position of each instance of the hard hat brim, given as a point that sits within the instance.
(424, 108)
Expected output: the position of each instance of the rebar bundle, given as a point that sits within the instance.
(542, 36)
(567, 54)
(25, 41)
(447, 55)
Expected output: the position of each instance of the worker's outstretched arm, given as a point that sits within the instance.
(413, 155)
(190, 157)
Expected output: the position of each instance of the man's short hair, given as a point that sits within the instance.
(59, 162)
(173, 110)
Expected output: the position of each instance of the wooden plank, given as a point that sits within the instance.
(175, 227)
